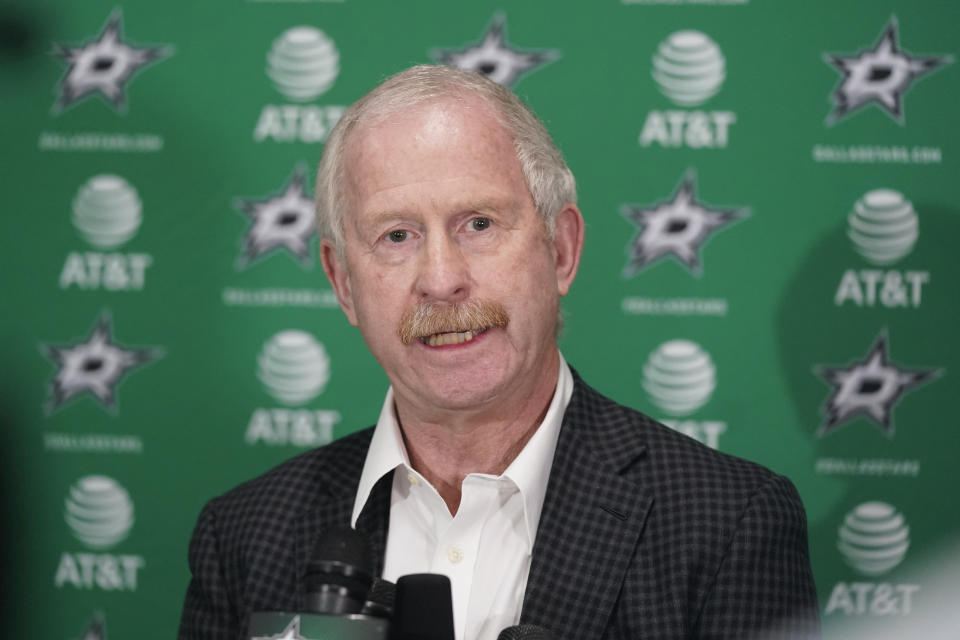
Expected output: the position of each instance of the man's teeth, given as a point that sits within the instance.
(441, 339)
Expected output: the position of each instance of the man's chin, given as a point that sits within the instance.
(458, 390)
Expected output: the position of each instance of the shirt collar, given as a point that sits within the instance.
(386, 453)
(530, 470)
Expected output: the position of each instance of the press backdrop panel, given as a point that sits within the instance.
(770, 191)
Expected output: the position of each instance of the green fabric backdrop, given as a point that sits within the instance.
(770, 191)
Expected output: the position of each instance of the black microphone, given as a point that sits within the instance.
(337, 586)
(339, 574)
(423, 608)
(525, 632)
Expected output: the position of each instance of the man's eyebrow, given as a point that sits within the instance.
(385, 215)
(466, 205)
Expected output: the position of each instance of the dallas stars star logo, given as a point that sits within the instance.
(104, 66)
(96, 630)
(678, 227)
(292, 632)
(281, 221)
(95, 366)
(494, 57)
(870, 387)
(881, 76)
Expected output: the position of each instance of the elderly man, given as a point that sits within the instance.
(449, 231)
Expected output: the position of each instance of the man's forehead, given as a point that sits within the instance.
(423, 140)
(432, 116)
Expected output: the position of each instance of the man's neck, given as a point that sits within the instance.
(446, 448)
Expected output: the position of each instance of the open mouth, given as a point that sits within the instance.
(450, 324)
(452, 337)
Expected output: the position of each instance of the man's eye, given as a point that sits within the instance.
(480, 224)
(397, 236)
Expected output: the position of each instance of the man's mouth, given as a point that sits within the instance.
(446, 324)
(451, 337)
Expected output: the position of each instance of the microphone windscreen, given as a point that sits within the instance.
(423, 609)
(525, 632)
(339, 573)
(345, 546)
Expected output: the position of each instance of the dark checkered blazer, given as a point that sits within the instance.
(644, 534)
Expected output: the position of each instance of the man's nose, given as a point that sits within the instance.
(443, 271)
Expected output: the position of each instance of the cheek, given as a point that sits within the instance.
(534, 290)
(382, 299)
(528, 290)
(376, 291)
(369, 278)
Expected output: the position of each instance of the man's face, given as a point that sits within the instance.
(438, 213)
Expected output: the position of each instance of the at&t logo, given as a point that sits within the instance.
(107, 212)
(294, 368)
(679, 377)
(303, 63)
(873, 539)
(883, 228)
(689, 69)
(99, 513)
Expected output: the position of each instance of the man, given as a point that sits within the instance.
(449, 231)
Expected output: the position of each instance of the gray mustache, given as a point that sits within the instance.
(428, 319)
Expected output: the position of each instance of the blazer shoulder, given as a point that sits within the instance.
(298, 482)
(722, 545)
(665, 460)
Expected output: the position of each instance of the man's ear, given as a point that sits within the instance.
(339, 279)
(568, 244)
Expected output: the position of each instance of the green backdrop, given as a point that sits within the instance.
(770, 191)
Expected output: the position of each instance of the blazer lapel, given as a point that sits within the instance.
(591, 521)
(333, 507)
(374, 520)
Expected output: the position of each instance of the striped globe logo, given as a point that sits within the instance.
(883, 226)
(294, 367)
(689, 68)
(679, 377)
(303, 63)
(107, 211)
(873, 538)
(98, 511)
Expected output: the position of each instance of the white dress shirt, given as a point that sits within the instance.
(485, 548)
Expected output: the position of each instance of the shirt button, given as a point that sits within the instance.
(414, 480)
(454, 555)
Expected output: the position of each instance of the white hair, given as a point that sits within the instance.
(549, 180)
